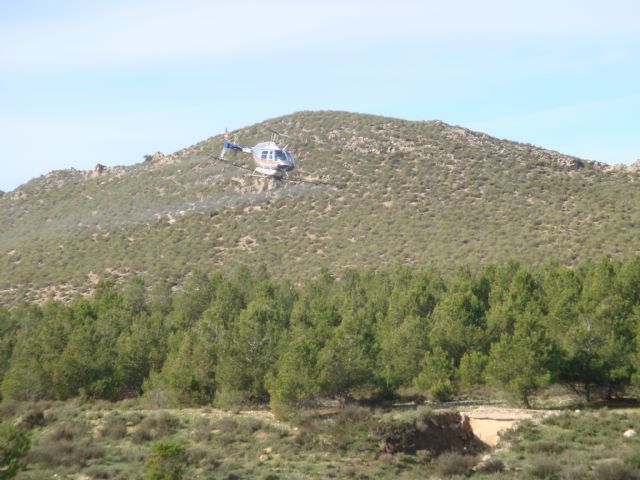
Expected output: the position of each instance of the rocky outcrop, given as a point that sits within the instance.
(155, 157)
(98, 170)
(634, 167)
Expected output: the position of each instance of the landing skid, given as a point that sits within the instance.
(276, 176)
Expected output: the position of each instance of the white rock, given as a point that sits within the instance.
(630, 433)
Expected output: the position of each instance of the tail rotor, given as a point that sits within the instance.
(226, 143)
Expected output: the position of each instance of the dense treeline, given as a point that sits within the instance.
(252, 338)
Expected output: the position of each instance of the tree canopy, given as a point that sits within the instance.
(249, 337)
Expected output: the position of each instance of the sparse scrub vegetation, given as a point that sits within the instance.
(322, 443)
(433, 193)
(571, 445)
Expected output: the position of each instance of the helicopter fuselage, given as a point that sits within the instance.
(271, 159)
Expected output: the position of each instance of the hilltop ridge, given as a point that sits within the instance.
(211, 146)
(414, 193)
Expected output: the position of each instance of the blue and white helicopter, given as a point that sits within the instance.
(271, 160)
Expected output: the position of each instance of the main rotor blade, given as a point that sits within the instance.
(281, 134)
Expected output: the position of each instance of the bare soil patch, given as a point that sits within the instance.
(487, 423)
(443, 432)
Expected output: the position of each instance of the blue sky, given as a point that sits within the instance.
(83, 82)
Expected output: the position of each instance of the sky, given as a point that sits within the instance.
(86, 82)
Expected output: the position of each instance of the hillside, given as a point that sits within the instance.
(411, 193)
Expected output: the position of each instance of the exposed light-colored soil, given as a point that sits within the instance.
(488, 423)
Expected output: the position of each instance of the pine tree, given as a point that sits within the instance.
(520, 362)
(437, 375)
(249, 350)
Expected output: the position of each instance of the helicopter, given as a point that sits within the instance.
(271, 159)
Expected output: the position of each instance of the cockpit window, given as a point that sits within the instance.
(290, 158)
(281, 156)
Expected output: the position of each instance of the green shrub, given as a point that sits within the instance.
(114, 427)
(442, 391)
(65, 452)
(545, 468)
(154, 427)
(31, 419)
(197, 454)
(352, 414)
(166, 462)
(202, 430)
(548, 447)
(632, 459)
(564, 420)
(579, 472)
(250, 425)
(454, 463)
(14, 446)
(614, 469)
(227, 424)
(424, 456)
(8, 408)
(493, 465)
(68, 431)
(100, 472)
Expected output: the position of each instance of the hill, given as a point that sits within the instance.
(411, 193)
